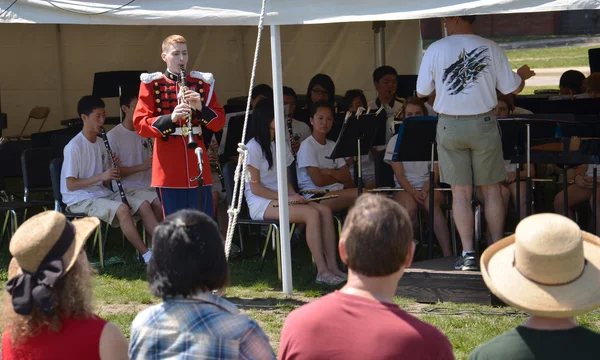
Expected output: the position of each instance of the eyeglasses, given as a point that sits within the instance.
(320, 92)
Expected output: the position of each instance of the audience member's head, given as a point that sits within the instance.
(571, 82)
(354, 99)
(547, 268)
(592, 85)
(414, 106)
(259, 92)
(385, 79)
(49, 276)
(320, 88)
(188, 256)
(290, 99)
(377, 239)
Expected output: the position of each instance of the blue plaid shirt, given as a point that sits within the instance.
(203, 327)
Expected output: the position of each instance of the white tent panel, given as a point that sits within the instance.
(54, 65)
(279, 12)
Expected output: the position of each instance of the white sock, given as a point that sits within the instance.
(147, 256)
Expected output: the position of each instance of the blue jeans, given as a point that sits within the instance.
(178, 199)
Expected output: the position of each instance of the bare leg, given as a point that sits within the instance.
(463, 215)
(576, 195)
(310, 216)
(129, 230)
(328, 236)
(157, 210)
(146, 212)
(494, 210)
(440, 223)
(408, 202)
(345, 199)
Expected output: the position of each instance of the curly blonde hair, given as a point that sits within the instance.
(72, 297)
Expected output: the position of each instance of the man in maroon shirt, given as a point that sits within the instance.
(360, 321)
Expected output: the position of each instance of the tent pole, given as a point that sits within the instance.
(282, 180)
(379, 30)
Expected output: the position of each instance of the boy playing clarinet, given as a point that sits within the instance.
(86, 175)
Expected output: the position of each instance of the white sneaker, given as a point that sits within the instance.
(147, 256)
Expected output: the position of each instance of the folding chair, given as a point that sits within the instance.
(37, 113)
(35, 164)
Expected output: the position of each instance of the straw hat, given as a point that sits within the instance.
(549, 267)
(34, 239)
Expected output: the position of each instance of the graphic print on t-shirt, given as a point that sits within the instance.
(462, 74)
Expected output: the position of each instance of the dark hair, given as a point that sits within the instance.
(262, 89)
(326, 82)
(413, 100)
(262, 115)
(376, 236)
(88, 104)
(572, 80)
(383, 71)
(469, 18)
(288, 91)
(188, 256)
(321, 104)
(127, 95)
(351, 95)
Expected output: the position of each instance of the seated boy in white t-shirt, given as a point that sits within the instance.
(86, 173)
(135, 156)
(315, 170)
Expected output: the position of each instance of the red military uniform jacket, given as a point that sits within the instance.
(173, 163)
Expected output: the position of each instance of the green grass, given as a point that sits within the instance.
(556, 57)
(121, 292)
(529, 90)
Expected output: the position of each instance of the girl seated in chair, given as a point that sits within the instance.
(261, 196)
(316, 171)
(413, 177)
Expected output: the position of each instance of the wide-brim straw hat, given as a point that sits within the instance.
(34, 239)
(549, 267)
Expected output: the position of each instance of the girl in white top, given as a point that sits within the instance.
(261, 194)
(413, 177)
(315, 170)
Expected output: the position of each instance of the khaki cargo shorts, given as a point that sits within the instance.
(470, 150)
(105, 208)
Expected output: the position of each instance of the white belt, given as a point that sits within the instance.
(184, 131)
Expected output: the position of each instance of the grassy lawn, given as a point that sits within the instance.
(569, 56)
(121, 292)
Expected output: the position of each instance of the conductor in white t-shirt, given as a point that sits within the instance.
(465, 70)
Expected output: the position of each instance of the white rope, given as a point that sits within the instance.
(238, 187)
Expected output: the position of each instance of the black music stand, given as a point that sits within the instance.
(235, 127)
(356, 139)
(521, 130)
(109, 84)
(416, 142)
(3, 122)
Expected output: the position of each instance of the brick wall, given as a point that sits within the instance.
(502, 25)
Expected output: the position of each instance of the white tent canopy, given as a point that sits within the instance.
(279, 12)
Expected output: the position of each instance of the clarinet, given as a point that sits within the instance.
(290, 134)
(112, 161)
(191, 142)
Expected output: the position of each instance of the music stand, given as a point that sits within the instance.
(233, 136)
(519, 142)
(356, 139)
(416, 142)
(109, 84)
(3, 122)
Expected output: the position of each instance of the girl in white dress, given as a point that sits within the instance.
(316, 171)
(261, 194)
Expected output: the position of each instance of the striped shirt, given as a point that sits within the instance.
(203, 327)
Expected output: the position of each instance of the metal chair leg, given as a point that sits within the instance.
(275, 235)
(478, 229)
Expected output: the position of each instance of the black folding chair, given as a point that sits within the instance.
(35, 163)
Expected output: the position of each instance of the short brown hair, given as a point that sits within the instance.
(172, 39)
(413, 100)
(377, 235)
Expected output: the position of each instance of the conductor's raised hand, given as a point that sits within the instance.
(180, 112)
(525, 72)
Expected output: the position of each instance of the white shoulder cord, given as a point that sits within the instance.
(241, 168)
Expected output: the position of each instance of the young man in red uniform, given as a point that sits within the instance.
(159, 114)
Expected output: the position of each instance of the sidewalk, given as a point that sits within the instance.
(550, 77)
(591, 40)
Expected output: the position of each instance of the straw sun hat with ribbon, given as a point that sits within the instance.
(44, 249)
(549, 267)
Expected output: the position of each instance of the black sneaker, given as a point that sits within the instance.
(467, 262)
